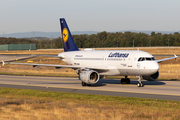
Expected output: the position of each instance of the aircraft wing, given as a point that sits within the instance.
(48, 65)
(161, 60)
(97, 68)
(49, 56)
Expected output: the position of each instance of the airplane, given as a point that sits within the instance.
(90, 64)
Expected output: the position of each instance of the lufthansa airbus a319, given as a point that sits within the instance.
(89, 64)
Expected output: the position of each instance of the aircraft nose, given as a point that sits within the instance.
(153, 66)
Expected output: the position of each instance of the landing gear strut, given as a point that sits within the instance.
(140, 84)
(125, 80)
(85, 84)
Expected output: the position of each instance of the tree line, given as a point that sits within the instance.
(126, 39)
(104, 39)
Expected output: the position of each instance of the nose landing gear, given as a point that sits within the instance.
(140, 84)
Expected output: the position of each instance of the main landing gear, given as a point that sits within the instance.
(85, 84)
(140, 84)
(125, 80)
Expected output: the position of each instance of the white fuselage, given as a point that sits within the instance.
(116, 62)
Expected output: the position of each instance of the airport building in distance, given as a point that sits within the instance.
(9, 47)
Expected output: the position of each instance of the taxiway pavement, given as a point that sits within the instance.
(14, 57)
(161, 89)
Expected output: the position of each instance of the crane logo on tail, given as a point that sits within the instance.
(65, 34)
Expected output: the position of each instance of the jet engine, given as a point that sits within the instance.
(89, 77)
(152, 77)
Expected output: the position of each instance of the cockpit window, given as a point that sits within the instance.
(142, 59)
(146, 59)
(139, 59)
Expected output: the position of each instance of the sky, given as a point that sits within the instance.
(89, 15)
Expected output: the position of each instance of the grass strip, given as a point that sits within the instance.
(14, 92)
(61, 105)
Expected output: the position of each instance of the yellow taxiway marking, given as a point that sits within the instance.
(96, 89)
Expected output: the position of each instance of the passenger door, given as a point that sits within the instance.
(130, 59)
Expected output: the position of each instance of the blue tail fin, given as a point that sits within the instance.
(68, 41)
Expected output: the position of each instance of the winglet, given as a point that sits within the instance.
(3, 63)
(175, 56)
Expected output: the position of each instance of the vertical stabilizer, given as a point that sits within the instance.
(68, 41)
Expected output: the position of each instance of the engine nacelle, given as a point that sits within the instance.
(152, 77)
(89, 77)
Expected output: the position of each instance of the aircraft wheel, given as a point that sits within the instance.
(88, 84)
(139, 84)
(127, 81)
(142, 85)
(123, 81)
(84, 84)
